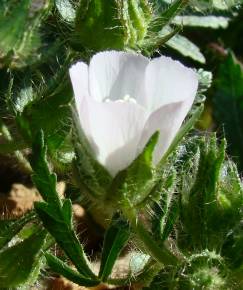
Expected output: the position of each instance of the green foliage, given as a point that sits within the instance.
(165, 210)
(207, 230)
(63, 269)
(201, 201)
(33, 105)
(115, 24)
(186, 212)
(98, 16)
(115, 239)
(9, 228)
(20, 263)
(56, 214)
(184, 46)
(228, 94)
(122, 25)
(194, 16)
(19, 25)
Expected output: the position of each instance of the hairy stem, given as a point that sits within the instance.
(161, 254)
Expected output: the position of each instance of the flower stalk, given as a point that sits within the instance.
(160, 254)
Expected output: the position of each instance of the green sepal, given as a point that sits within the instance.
(59, 267)
(115, 239)
(20, 264)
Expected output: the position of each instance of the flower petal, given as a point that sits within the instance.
(114, 74)
(168, 81)
(79, 78)
(167, 120)
(115, 130)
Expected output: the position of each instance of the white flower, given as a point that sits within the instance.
(123, 98)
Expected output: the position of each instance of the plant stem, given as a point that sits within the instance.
(161, 254)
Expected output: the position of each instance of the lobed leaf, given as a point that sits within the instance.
(20, 264)
(55, 214)
(58, 266)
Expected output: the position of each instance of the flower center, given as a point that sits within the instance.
(125, 99)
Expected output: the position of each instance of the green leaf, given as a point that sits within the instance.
(9, 228)
(59, 267)
(34, 99)
(226, 4)
(20, 264)
(55, 214)
(65, 238)
(211, 21)
(42, 177)
(115, 239)
(19, 24)
(168, 14)
(136, 182)
(67, 211)
(36, 116)
(228, 94)
(184, 46)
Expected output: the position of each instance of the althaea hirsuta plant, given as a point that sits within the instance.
(87, 92)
